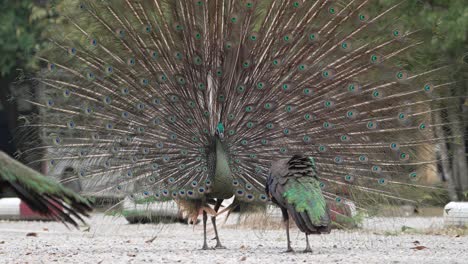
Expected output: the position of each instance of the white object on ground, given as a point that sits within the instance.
(14, 208)
(456, 214)
(10, 207)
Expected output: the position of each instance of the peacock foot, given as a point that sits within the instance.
(307, 250)
(219, 246)
(205, 247)
(289, 250)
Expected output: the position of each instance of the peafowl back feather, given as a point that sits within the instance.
(293, 185)
(196, 99)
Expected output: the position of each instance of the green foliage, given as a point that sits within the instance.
(454, 231)
(443, 24)
(445, 20)
(347, 222)
(21, 24)
(448, 21)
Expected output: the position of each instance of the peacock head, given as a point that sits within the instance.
(220, 130)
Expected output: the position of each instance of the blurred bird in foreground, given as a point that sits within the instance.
(41, 193)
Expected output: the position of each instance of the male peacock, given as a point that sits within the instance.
(40, 193)
(194, 100)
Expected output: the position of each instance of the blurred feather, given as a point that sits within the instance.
(42, 194)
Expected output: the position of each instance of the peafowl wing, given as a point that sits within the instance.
(40, 193)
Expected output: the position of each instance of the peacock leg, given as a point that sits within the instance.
(205, 218)
(286, 223)
(213, 220)
(307, 249)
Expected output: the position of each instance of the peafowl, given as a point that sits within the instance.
(40, 193)
(294, 186)
(195, 100)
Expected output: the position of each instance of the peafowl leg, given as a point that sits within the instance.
(205, 218)
(307, 249)
(286, 223)
(213, 220)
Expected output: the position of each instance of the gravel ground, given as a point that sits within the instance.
(112, 240)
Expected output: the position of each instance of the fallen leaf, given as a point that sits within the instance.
(416, 242)
(32, 234)
(45, 229)
(131, 255)
(243, 258)
(419, 248)
(2, 242)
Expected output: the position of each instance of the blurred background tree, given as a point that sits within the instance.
(443, 24)
(21, 25)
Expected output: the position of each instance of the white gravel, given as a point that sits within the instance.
(112, 240)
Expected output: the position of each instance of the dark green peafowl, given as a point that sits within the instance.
(40, 193)
(195, 100)
(294, 186)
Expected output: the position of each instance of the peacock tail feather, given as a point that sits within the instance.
(137, 94)
(41, 193)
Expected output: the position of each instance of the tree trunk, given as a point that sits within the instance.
(10, 108)
(459, 163)
(444, 159)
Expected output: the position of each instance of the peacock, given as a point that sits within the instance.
(294, 186)
(40, 193)
(198, 101)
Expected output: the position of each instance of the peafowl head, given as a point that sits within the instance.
(312, 161)
(220, 131)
